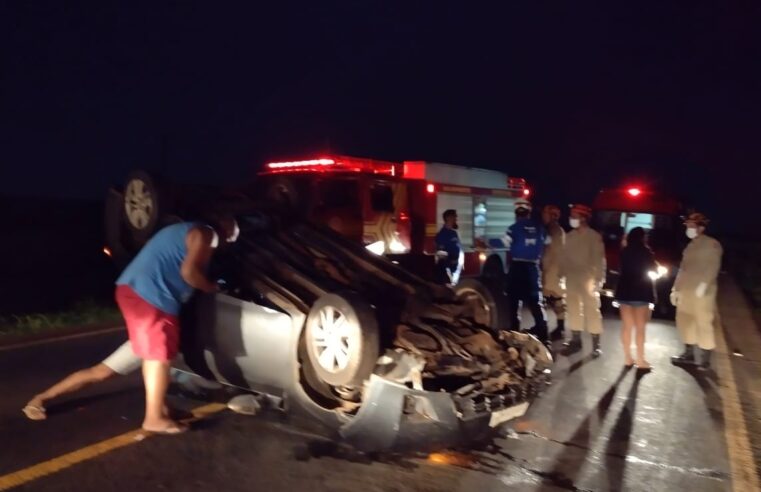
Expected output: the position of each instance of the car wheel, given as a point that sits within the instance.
(489, 303)
(342, 340)
(142, 205)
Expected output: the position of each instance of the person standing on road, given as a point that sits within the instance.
(583, 266)
(694, 293)
(635, 293)
(526, 240)
(449, 255)
(551, 287)
(150, 293)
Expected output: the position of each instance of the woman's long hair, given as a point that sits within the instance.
(637, 238)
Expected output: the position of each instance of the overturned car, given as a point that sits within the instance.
(378, 356)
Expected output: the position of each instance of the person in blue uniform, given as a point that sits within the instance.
(449, 255)
(526, 239)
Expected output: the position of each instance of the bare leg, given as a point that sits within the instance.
(156, 379)
(627, 321)
(73, 382)
(641, 317)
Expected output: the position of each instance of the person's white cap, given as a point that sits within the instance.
(522, 203)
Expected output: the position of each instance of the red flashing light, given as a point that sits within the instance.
(526, 192)
(634, 191)
(309, 163)
(430, 188)
(334, 164)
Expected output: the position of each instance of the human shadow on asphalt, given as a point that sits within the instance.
(617, 448)
(707, 380)
(569, 462)
(74, 404)
(580, 363)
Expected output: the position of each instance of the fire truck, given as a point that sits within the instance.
(619, 210)
(395, 208)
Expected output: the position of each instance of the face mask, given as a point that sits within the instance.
(575, 223)
(691, 232)
(234, 236)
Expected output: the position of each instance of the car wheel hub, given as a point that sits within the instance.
(331, 340)
(138, 204)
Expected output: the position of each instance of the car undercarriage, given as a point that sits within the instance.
(378, 345)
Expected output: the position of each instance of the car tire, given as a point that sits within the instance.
(286, 196)
(144, 203)
(342, 339)
(490, 302)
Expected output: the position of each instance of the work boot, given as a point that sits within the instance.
(574, 344)
(596, 350)
(686, 357)
(703, 360)
(557, 333)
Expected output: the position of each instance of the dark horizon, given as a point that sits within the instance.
(574, 98)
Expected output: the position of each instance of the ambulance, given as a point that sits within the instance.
(395, 208)
(616, 211)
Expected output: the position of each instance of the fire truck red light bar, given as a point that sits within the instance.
(431, 188)
(526, 192)
(634, 191)
(310, 163)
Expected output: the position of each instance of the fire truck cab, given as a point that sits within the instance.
(618, 211)
(395, 208)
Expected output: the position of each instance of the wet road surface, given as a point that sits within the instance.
(598, 427)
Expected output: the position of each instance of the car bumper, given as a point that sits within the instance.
(395, 417)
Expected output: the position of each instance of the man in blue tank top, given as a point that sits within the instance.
(150, 293)
(526, 239)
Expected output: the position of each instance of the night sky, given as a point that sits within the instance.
(573, 96)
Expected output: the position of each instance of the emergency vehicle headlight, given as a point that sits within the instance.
(396, 246)
(662, 270)
(378, 247)
(482, 257)
(653, 275)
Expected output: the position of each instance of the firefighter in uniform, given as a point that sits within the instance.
(551, 287)
(583, 266)
(449, 255)
(694, 293)
(526, 240)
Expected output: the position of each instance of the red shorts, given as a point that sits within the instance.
(153, 334)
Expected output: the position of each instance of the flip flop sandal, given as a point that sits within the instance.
(171, 430)
(33, 412)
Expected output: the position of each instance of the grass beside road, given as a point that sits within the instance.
(744, 262)
(81, 315)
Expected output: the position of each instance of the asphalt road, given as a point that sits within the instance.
(598, 427)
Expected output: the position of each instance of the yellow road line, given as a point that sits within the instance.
(742, 464)
(55, 465)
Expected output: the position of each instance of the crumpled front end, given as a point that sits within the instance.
(427, 396)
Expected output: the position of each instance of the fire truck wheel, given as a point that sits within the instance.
(489, 302)
(342, 339)
(144, 202)
(493, 272)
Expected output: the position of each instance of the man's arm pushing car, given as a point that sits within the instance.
(200, 244)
